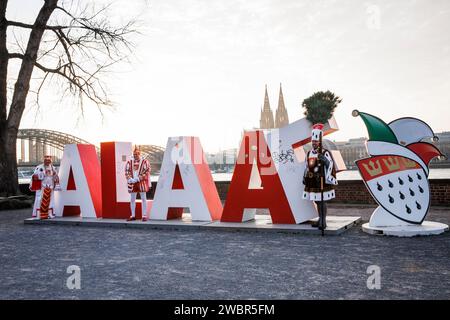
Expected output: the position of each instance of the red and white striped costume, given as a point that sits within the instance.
(139, 170)
(44, 176)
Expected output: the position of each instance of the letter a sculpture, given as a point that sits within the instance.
(396, 175)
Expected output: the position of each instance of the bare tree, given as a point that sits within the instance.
(71, 43)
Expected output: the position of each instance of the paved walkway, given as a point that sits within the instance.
(183, 264)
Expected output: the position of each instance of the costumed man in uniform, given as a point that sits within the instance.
(320, 176)
(44, 181)
(137, 173)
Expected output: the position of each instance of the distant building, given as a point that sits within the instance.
(355, 149)
(222, 161)
(267, 120)
(352, 150)
(444, 146)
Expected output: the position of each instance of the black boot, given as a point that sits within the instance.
(323, 222)
(315, 224)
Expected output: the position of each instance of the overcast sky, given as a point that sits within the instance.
(200, 66)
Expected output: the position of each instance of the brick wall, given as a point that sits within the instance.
(440, 192)
(354, 191)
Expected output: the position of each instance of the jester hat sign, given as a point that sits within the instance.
(396, 173)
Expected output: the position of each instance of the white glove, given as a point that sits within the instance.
(131, 180)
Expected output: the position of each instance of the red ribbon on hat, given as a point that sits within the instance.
(318, 126)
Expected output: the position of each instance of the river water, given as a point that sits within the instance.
(349, 175)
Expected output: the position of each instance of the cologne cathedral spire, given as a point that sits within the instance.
(281, 115)
(266, 121)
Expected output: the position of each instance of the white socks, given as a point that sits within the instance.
(133, 204)
(144, 204)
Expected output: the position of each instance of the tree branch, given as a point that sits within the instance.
(84, 84)
(30, 26)
(83, 45)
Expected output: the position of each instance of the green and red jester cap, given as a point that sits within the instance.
(396, 171)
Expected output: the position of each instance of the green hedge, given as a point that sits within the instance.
(16, 202)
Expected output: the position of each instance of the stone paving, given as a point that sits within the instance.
(129, 263)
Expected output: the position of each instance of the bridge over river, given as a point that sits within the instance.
(34, 143)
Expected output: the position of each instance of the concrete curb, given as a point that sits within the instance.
(336, 225)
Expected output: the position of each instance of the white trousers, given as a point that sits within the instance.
(133, 203)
